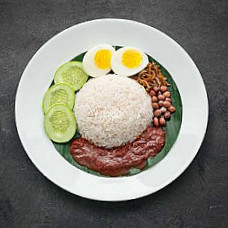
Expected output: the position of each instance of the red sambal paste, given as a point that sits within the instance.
(118, 161)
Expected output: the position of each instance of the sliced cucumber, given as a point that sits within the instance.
(71, 73)
(60, 124)
(58, 94)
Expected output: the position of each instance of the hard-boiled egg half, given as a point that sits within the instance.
(97, 60)
(128, 61)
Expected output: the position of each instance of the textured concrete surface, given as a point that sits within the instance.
(198, 198)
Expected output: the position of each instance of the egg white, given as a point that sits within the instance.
(119, 68)
(89, 64)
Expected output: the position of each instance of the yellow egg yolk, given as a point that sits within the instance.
(102, 59)
(131, 58)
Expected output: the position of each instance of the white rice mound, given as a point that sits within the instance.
(112, 110)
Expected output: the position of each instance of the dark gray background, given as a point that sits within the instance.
(198, 198)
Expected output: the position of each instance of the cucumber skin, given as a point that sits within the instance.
(48, 90)
(74, 120)
(77, 64)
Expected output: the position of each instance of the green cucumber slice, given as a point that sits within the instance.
(58, 94)
(60, 124)
(71, 73)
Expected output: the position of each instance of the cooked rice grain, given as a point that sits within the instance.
(112, 110)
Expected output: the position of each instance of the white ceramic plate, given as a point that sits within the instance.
(39, 73)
